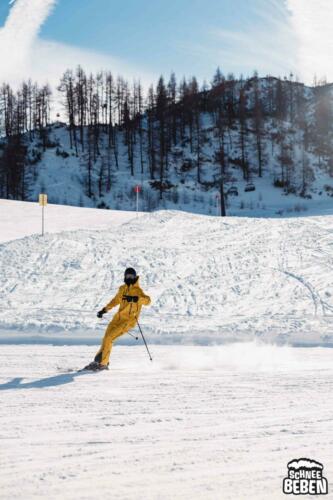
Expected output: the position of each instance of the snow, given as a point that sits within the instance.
(225, 405)
(19, 219)
(198, 423)
(212, 280)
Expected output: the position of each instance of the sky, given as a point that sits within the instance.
(141, 39)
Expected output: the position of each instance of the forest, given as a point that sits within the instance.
(175, 133)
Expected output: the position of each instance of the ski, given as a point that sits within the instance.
(94, 367)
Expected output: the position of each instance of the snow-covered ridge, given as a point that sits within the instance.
(272, 140)
(211, 280)
(64, 178)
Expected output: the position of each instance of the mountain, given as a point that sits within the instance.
(264, 146)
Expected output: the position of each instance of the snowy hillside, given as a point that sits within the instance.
(65, 178)
(212, 280)
(268, 141)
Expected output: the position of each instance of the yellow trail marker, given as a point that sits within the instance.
(43, 200)
(43, 203)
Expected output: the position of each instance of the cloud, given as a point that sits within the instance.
(51, 59)
(312, 22)
(242, 52)
(257, 49)
(21, 28)
(25, 19)
(280, 36)
(28, 56)
(264, 42)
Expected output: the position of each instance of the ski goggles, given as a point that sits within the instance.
(130, 276)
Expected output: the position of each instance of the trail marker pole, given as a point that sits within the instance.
(137, 190)
(43, 204)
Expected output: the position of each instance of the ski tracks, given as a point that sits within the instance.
(258, 270)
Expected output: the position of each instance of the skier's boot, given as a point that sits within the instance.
(96, 367)
(101, 367)
(92, 366)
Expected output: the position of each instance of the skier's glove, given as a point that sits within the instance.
(101, 312)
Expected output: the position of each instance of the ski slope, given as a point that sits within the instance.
(212, 280)
(199, 423)
(223, 407)
(19, 219)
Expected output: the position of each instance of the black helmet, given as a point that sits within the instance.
(130, 276)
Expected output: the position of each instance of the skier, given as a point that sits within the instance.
(130, 299)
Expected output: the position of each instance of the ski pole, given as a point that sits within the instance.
(151, 359)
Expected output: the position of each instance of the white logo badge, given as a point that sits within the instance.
(305, 477)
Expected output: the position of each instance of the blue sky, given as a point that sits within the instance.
(149, 37)
(161, 35)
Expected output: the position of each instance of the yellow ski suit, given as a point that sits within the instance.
(123, 320)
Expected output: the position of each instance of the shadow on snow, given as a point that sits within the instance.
(61, 379)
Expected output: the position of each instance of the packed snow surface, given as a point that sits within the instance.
(19, 219)
(198, 423)
(211, 279)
